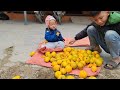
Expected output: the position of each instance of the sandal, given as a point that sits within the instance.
(111, 65)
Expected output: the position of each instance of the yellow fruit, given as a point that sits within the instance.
(94, 68)
(59, 62)
(81, 58)
(54, 63)
(52, 59)
(68, 61)
(68, 49)
(85, 54)
(61, 77)
(47, 53)
(32, 53)
(56, 68)
(89, 65)
(70, 57)
(92, 60)
(64, 49)
(97, 56)
(43, 56)
(83, 74)
(98, 62)
(83, 62)
(74, 58)
(87, 59)
(80, 65)
(92, 77)
(53, 54)
(63, 71)
(89, 52)
(47, 59)
(64, 64)
(78, 59)
(94, 64)
(95, 52)
(73, 65)
(57, 74)
(16, 77)
(68, 68)
(70, 77)
(83, 51)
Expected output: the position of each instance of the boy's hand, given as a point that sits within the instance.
(57, 33)
(72, 41)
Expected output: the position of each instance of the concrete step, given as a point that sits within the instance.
(83, 20)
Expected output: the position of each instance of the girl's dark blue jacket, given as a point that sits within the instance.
(50, 35)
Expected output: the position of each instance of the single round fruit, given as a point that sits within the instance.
(47, 59)
(68, 68)
(54, 63)
(57, 74)
(53, 54)
(52, 59)
(70, 77)
(83, 62)
(92, 77)
(80, 65)
(98, 62)
(64, 64)
(73, 65)
(61, 77)
(83, 74)
(94, 68)
(59, 62)
(89, 52)
(47, 53)
(16, 77)
(56, 68)
(32, 53)
(63, 71)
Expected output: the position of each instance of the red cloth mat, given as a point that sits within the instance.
(38, 60)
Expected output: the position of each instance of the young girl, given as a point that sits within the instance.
(53, 37)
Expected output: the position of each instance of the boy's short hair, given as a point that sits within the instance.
(94, 13)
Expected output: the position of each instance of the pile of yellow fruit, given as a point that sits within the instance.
(72, 58)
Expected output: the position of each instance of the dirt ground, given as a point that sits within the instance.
(10, 69)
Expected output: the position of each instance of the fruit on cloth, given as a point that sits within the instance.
(94, 68)
(32, 53)
(56, 68)
(63, 71)
(92, 77)
(54, 63)
(61, 77)
(73, 65)
(47, 59)
(99, 62)
(83, 74)
(70, 77)
(68, 68)
(80, 65)
(58, 74)
(53, 54)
